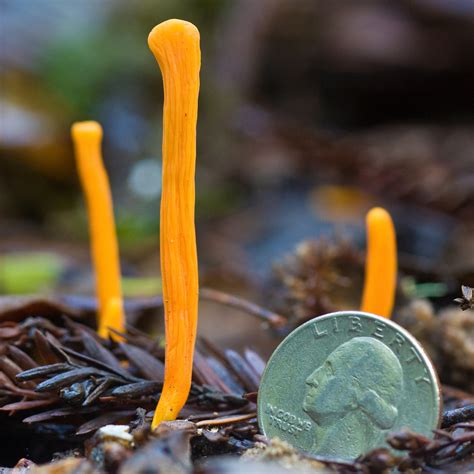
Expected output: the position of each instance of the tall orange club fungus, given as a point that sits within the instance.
(175, 45)
(381, 264)
(87, 138)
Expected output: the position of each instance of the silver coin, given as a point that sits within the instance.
(338, 384)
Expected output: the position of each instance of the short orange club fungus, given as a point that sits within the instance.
(175, 45)
(87, 137)
(381, 264)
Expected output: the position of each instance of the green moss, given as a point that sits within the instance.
(31, 272)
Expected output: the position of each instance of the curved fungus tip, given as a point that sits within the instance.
(83, 130)
(173, 28)
(378, 213)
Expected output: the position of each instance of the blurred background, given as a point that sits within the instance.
(311, 112)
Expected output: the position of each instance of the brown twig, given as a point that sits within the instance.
(266, 315)
(423, 451)
(226, 420)
(87, 304)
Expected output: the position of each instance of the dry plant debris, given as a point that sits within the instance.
(321, 276)
(448, 337)
(58, 371)
(467, 299)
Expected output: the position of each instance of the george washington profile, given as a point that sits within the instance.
(353, 397)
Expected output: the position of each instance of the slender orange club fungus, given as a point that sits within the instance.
(381, 264)
(87, 137)
(175, 45)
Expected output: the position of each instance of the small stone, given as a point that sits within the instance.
(118, 433)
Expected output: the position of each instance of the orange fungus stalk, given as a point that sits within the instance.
(87, 138)
(381, 264)
(175, 45)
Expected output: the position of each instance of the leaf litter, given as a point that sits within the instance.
(57, 371)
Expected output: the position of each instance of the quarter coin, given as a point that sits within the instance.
(338, 384)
